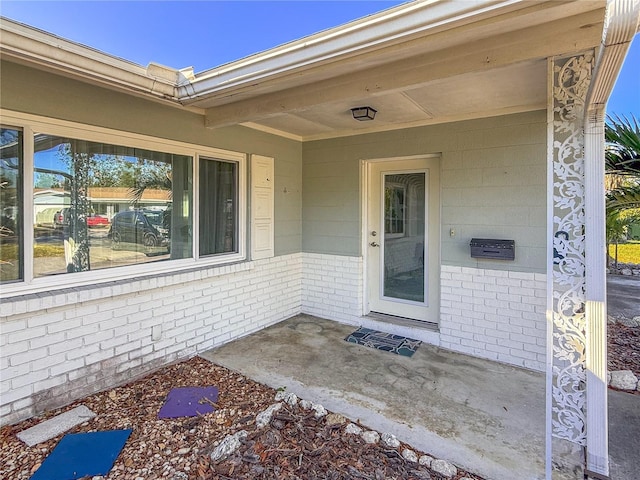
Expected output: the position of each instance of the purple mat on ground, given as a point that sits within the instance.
(189, 402)
(82, 455)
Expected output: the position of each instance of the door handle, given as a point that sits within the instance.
(374, 244)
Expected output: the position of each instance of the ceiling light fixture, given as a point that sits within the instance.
(363, 114)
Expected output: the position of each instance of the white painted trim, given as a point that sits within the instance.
(549, 313)
(27, 203)
(597, 429)
(364, 215)
(272, 131)
(265, 190)
(376, 31)
(56, 126)
(621, 24)
(364, 234)
(37, 124)
(30, 45)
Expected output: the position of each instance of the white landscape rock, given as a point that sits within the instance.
(425, 460)
(371, 437)
(444, 468)
(227, 446)
(624, 380)
(390, 440)
(353, 429)
(320, 410)
(289, 398)
(631, 322)
(306, 404)
(263, 418)
(409, 455)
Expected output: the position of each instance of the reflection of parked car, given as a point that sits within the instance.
(134, 226)
(61, 218)
(95, 220)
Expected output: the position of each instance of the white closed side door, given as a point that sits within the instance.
(403, 228)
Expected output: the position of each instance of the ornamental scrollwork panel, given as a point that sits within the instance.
(571, 78)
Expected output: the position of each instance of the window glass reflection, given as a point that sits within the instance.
(98, 205)
(11, 231)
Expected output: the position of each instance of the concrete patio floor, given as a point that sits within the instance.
(483, 416)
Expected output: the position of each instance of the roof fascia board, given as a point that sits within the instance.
(376, 31)
(622, 23)
(31, 46)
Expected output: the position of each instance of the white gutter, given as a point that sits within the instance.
(621, 24)
(383, 29)
(23, 43)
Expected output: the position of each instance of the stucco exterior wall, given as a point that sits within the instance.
(493, 185)
(32, 91)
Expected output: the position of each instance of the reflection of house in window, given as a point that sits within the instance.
(394, 209)
(110, 200)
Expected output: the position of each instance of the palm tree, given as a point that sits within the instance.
(622, 163)
(622, 156)
(157, 179)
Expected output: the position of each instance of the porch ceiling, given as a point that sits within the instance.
(509, 89)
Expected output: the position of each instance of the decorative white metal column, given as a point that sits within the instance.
(566, 374)
(621, 24)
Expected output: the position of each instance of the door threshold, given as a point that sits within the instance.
(403, 321)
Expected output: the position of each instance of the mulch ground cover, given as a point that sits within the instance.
(294, 445)
(623, 345)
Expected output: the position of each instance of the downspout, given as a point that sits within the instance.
(621, 24)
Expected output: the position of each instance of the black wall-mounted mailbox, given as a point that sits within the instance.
(494, 249)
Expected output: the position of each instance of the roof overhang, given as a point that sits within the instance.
(422, 62)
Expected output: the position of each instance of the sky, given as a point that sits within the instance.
(205, 34)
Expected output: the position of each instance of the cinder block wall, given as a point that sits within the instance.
(494, 314)
(57, 347)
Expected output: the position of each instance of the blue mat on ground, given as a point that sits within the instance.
(189, 402)
(387, 342)
(80, 455)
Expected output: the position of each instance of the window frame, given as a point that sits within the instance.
(31, 124)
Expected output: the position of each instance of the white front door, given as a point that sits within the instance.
(402, 237)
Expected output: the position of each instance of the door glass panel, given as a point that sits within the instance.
(404, 229)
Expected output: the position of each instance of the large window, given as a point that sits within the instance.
(98, 205)
(11, 231)
(72, 206)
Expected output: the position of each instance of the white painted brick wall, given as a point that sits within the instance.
(65, 350)
(494, 314)
(60, 347)
(332, 287)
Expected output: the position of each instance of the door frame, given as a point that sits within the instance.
(364, 232)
